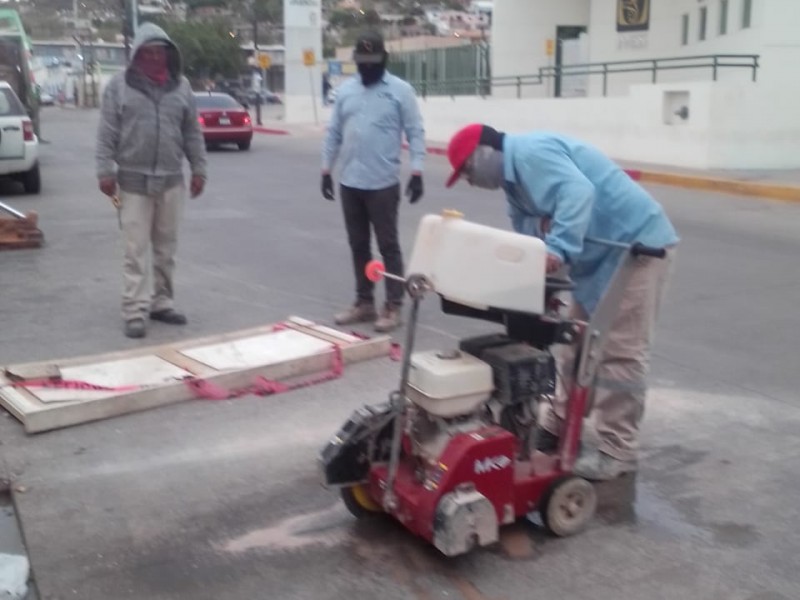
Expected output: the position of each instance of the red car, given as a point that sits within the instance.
(223, 120)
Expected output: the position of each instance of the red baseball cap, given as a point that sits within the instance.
(461, 146)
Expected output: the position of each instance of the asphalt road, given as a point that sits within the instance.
(221, 500)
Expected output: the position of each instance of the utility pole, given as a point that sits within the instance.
(255, 56)
(126, 27)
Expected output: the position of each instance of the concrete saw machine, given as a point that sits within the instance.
(452, 454)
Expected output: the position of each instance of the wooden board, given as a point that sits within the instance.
(150, 377)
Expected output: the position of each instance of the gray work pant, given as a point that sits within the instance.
(364, 211)
(150, 236)
(620, 384)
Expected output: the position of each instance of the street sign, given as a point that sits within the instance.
(334, 68)
(550, 46)
(264, 60)
(309, 59)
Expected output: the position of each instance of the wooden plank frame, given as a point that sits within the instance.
(37, 416)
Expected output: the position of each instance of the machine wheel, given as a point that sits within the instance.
(568, 506)
(358, 501)
(32, 180)
(244, 145)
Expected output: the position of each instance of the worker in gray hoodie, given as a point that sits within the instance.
(148, 125)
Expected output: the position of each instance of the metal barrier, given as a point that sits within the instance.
(714, 62)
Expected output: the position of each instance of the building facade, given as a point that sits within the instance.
(692, 83)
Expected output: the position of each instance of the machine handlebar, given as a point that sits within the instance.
(638, 249)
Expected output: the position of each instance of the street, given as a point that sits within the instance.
(221, 500)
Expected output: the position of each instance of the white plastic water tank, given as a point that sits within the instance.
(480, 266)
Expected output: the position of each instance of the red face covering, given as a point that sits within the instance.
(151, 61)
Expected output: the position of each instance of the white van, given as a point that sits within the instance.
(19, 146)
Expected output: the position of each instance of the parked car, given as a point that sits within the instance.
(19, 146)
(235, 89)
(46, 99)
(263, 96)
(223, 120)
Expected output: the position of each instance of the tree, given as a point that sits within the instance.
(208, 48)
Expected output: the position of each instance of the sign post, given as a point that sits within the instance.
(549, 50)
(310, 61)
(303, 49)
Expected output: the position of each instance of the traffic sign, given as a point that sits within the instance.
(334, 68)
(309, 58)
(264, 60)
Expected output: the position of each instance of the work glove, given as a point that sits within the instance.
(108, 185)
(327, 187)
(553, 264)
(197, 185)
(414, 189)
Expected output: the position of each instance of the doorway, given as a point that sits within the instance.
(564, 32)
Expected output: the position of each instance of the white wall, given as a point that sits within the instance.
(730, 125)
(520, 29)
(780, 43)
(663, 39)
(302, 25)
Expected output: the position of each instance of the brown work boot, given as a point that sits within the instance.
(389, 319)
(358, 313)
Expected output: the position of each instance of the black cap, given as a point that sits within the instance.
(369, 48)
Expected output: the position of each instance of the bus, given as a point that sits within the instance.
(16, 62)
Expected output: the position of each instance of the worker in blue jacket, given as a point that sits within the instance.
(564, 191)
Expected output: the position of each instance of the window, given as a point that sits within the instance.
(747, 13)
(212, 101)
(10, 106)
(703, 19)
(723, 17)
(685, 30)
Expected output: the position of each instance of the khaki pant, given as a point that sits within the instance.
(620, 384)
(150, 236)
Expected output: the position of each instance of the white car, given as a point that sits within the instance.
(19, 147)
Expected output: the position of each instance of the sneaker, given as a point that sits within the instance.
(358, 313)
(599, 466)
(135, 328)
(169, 316)
(389, 320)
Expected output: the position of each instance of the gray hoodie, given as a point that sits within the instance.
(145, 129)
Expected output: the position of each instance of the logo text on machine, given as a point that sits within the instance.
(492, 463)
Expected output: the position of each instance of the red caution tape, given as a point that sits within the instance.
(261, 386)
(396, 352)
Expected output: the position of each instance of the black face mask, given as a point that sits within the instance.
(371, 73)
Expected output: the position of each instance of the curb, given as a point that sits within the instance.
(772, 191)
(271, 131)
(776, 191)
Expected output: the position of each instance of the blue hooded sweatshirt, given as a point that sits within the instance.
(585, 194)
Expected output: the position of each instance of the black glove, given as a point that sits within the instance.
(414, 189)
(327, 187)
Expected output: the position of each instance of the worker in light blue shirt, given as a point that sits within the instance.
(568, 192)
(371, 112)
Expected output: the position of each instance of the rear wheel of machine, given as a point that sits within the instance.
(569, 506)
(358, 501)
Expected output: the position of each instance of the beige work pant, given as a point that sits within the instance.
(620, 384)
(150, 237)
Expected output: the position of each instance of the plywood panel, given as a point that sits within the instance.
(154, 375)
(260, 350)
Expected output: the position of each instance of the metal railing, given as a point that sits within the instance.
(714, 62)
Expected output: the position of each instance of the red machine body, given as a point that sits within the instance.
(456, 453)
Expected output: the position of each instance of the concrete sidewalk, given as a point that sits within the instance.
(781, 184)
